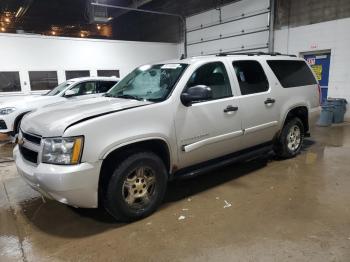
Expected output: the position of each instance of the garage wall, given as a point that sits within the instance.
(332, 35)
(25, 53)
(240, 26)
(294, 13)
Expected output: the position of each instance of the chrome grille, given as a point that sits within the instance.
(35, 139)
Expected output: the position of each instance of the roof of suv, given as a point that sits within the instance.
(238, 56)
(94, 78)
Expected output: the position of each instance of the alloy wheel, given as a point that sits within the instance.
(294, 138)
(139, 187)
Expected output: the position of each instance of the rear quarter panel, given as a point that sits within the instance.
(290, 98)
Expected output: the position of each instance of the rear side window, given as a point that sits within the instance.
(251, 77)
(292, 73)
(84, 88)
(104, 86)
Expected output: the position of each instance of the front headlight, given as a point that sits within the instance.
(62, 151)
(7, 110)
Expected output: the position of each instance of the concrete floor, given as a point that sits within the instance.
(264, 210)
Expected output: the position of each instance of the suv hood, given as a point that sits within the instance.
(52, 120)
(31, 101)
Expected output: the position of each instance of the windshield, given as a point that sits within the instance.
(58, 89)
(149, 82)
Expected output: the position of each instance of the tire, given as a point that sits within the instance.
(136, 187)
(290, 140)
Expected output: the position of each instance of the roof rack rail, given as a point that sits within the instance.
(254, 54)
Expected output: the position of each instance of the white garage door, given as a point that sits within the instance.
(238, 27)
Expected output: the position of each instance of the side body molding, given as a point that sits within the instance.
(260, 127)
(211, 140)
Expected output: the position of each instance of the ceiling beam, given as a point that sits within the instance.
(134, 4)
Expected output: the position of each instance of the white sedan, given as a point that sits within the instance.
(13, 110)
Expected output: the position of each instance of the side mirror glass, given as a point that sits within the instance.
(196, 94)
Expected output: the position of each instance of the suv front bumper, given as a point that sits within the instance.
(72, 185)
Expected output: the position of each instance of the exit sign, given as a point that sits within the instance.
(311, 61)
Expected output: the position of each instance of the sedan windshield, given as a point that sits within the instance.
(149, 82)
(58, 89)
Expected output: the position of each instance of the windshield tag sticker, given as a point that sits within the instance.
(171, 66)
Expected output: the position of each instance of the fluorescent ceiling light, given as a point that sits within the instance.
(19, 11)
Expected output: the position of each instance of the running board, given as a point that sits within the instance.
(210, 165)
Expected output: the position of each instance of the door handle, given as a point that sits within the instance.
(231, 109)
(269, 101)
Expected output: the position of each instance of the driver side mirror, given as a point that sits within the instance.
(70, 93)
(196, 94)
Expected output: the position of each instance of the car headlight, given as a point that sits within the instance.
(62, 151)
(7, 110)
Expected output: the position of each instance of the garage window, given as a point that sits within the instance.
(10, 82)
(77, 73)
(292, 73)
(251, 77)
(108, 73)
(43, 80)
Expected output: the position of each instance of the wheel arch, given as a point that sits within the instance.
(157, 145)
(18, 120)
(302, 112)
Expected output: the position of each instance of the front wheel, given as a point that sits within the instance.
(291, 139)
(136, 188)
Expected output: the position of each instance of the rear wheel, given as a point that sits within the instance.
(291, 139)
(136, 188)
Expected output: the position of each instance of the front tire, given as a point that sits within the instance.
(136, 187)
(291, 139)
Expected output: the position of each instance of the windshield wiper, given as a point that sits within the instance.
(108, 95)
(129, 97)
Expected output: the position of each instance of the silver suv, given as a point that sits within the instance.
(163, 121)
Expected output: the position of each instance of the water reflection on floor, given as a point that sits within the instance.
(6, 149)
(263, 210)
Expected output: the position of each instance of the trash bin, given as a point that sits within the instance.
(326, 117)
(339, 109)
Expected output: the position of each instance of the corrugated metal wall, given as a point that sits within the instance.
(240, 26)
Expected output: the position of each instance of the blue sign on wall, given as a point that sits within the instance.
(320, 63)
